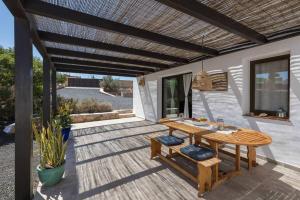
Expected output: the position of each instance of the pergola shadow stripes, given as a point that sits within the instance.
(171, 25)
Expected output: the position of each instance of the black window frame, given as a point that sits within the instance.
(252, 84)
(190, 93)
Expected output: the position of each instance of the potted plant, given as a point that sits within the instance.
(52, 154)
(64, 119)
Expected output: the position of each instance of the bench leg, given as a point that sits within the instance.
(204, 179)
(155, 148)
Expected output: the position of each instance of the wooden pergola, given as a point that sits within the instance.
(128, 38)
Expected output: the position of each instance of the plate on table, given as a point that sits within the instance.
(200, 123)
(195, 123)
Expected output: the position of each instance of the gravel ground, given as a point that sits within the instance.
(82, 93)
(7, 166)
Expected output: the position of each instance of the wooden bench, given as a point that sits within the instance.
(207, 170)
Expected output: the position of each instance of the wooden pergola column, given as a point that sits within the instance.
(23, 109)
(54, 95)
(46, 93)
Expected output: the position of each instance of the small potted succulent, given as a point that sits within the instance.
(52, 154)
(64, 119)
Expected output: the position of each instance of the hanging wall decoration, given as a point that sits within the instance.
(210, 82)
(202, 81)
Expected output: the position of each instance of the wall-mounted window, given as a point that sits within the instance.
(269, 85)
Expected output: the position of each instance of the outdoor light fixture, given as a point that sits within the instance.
(142, 81)
(202, 80)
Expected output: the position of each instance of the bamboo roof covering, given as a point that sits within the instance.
(161, 32)
(56, 26)
(102, 52)
(153, 16)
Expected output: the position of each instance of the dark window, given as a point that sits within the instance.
(270, 85)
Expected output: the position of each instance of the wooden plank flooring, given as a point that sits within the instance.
(112, 162)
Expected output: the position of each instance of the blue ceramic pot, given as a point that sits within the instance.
(50, 177)
(65, 133)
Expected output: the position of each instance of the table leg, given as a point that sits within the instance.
(254, 157)
(171, 131)
(197, 139)
(215, 175)
(251, 157)
(170, 150)
(191, 138)
(237, 158)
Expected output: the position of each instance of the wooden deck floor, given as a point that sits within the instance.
(112, 162)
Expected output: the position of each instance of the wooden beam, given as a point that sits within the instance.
(84, 68)
(23, 109)
(100, 64)
(78, 54)
(53, 92)
(95, 72)
(68, 15)
(59, 38)
(46, 93)
(201, 11)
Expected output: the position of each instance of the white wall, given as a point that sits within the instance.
(233, 103)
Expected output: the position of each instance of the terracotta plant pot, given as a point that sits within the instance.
(50, 177)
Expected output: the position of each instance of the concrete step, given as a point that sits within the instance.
(126, 115)
(124, 111)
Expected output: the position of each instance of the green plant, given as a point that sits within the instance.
(63, 117)
(73, 103)
(51, 145)
(61, 78)
(92, 106)
(7, 81)
(109, 84)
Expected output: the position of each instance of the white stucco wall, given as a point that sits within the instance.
(233, 103)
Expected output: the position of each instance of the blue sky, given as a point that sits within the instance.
(7, 37)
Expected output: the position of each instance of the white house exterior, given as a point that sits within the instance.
(234, 103)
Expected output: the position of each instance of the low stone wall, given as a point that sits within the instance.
(88, 117)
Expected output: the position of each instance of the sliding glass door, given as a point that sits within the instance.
(173, 97)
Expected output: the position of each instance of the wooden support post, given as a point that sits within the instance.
(46, 92)
(53, 82)
(23, 109)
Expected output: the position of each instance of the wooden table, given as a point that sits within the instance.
(188, 129)
(247, 137)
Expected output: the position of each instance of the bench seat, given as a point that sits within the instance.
(197, 152)
(204, 166)
(170, 140)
